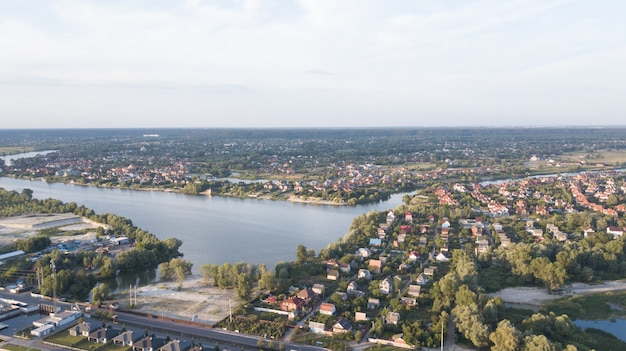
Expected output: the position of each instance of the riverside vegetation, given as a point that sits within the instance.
(77, 274)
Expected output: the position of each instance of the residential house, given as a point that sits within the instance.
(482, 245)
(390, 217)
(84, 328)
(615, 231)
(408, 217)
(442, 258)
(352, 287)
(316, 327)
(327, 308)
(414, 290)
(344, 267)
(342, 326)
(560, 236)
(375, 242)
(408, 301)
(423, 241)
(421, 279)
(364, 273)
(176, 345)
(429, 271)
(372, 303)
(403, 267)
(375, 266)
(332, 274)
(386, 286)
(148, 343)
(318, 289)
(392, 318)
(414, 256)
(445, 224)
(306, 295)
(364, 252)
(126, 338)
(103, 335)
(360, 316)
(292, 304)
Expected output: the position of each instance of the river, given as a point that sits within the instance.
(8, 160)
(216, 229)
(615, 327)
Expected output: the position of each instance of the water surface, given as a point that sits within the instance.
(216, 229)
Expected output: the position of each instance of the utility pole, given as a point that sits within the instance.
(37, 272)
(54, 284)
(442, 321)
(230, 312)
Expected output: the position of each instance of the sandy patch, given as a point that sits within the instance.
(538, 296)
(525, 295)
(195, 299)
(22, 227)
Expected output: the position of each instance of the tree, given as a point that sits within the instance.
(469, 322)
(505, 337)
(301, 254)
(177, 269)
(99, 293)
(209, 271)
(406, 199)
(267, 281)
(244, 286)
(538, 343)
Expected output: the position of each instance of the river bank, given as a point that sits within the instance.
(530, 296)
(289, 198)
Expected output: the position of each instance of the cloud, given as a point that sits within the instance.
(398, 60)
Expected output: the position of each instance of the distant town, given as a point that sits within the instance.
(507, 239)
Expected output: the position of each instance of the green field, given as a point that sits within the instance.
(596, 306)
(64, 338)
(607, 157)
(10, 150)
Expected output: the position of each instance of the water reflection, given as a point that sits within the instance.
(615, 327)
(123, 281)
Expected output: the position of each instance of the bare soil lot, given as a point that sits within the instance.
(537, 296)
(195, 299)
(21, 227)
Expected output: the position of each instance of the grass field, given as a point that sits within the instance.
(595, 306)
(87, 345)
(603, 156)
(113, 347)
(10, 150)
(64, 338)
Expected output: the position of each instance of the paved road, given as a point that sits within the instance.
(224, 338)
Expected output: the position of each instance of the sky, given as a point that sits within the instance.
(311, 63)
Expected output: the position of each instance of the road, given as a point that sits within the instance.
(223, 338)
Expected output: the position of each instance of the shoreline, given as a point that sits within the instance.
(291, 198)
(535, 296)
